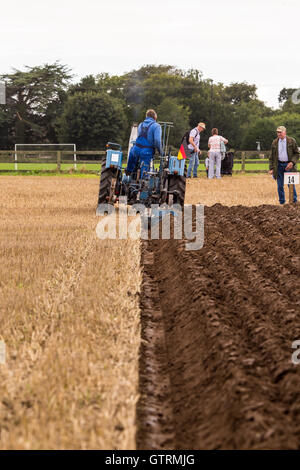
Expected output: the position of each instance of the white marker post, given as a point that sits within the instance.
(291, 179)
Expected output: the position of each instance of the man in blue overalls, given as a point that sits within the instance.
(149, 138)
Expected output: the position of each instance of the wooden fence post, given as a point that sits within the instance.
(58, 160)
(243, 161)
(291, 194)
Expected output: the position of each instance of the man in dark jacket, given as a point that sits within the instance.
(284, 157)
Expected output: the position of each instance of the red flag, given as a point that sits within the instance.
(181, 153)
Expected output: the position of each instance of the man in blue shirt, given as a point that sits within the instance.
(149, 138)
(284, 156)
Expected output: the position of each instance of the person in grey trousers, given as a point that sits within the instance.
(214, 144)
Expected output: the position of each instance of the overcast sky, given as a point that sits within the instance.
(229, 40)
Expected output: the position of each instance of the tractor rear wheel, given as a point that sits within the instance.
(177, 184)
(107, 185)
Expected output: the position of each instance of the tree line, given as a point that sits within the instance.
(43, 105)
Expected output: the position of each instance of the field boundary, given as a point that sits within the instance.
(90, 162)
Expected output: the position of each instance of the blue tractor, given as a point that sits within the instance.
(161, 184)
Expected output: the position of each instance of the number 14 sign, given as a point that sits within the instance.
(291, 178)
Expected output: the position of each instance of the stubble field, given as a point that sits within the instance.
(69, 317)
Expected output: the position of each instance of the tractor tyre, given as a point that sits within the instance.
(177, 184)
(107, 183)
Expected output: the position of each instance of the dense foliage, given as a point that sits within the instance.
(43, 106)
(91, 119)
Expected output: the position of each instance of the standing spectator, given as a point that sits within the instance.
(284, 156)
(206, 163)
(214, 144)
(193, 147)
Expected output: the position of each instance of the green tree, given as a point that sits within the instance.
(6, 126)
(145, 88)
(237, 93)
(158, 87)
(171, 111)
(195, 94)
(289, 107)
(285, 94)
(242, 116)
(292, 123)
(264, 130)
(261, 130)
(91, 119)
(29, 94)
(87, 83)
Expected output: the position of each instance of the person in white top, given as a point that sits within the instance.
(214, 144)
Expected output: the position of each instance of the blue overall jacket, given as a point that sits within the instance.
(149, 138)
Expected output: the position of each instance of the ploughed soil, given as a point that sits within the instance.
(218, 324)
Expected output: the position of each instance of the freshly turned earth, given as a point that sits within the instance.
(217, 327)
